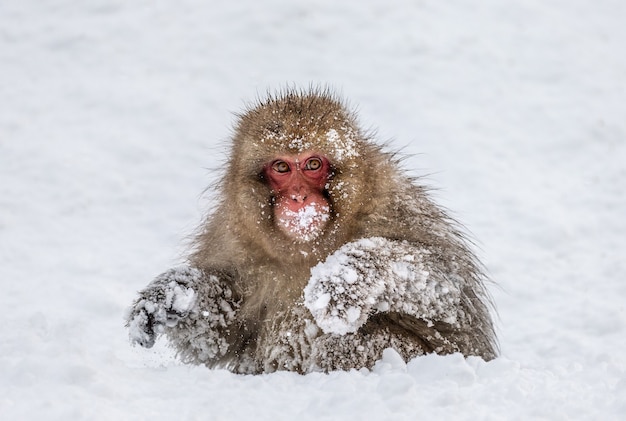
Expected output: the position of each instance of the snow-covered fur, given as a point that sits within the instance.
(390, 270)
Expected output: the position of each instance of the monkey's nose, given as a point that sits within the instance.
(298, 197)
(299, 192)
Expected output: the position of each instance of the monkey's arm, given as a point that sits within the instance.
(192, 307)
(380, 275)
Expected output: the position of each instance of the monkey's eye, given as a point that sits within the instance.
(280, 166)
(313, 164)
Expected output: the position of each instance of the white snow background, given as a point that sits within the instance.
(113, 115)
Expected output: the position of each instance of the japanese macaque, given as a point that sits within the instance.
(320, 254)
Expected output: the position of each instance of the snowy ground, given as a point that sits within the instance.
(113, 115)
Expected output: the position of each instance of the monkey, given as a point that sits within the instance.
(321, 252)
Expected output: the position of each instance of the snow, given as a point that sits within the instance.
(340, 146)
(339, 304)
(112, 112)
(305, 223)
(178, 301)
(344, 146)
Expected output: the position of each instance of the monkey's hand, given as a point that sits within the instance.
(163, 303)
(379, 275)
(343, 290)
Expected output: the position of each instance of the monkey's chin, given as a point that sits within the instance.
(305, 224)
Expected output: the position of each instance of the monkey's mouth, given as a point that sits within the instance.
(304, 224)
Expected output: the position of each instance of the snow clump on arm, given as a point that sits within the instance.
(378, 275)
(163, 303)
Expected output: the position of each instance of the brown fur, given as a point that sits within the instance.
(241, 235)
(267, 272)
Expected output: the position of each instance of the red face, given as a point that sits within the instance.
(300, 209)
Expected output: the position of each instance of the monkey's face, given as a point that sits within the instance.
(301, 209)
